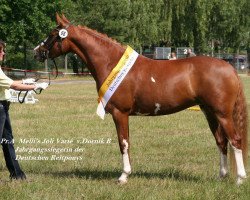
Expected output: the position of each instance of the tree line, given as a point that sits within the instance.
(205, 25)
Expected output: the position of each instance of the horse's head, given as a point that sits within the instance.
(56, 43)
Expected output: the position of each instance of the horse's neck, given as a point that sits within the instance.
(101, 53)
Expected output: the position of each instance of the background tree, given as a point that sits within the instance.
(207, 26)
(135, 22)
(23, 23)
(226, 24)
(245, 29)
(107, 16)
(144, 22)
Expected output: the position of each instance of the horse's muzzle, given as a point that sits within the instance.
(40, 55)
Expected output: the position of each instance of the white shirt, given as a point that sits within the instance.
(5, 83)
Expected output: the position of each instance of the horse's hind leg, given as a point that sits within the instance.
(222, 143)
(235, 141)
(220, 138)
(121, 123)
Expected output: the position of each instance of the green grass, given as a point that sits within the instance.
(173, 157)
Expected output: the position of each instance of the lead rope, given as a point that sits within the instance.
(56, 69)
(23, 99)
(39, 91)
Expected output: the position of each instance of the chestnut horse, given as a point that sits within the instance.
(157, 87)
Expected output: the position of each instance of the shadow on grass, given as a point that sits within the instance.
(114, 174)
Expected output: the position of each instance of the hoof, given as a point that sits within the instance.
(122, 182)
(223, 176)
(123, 179)
(240, 180)
(223, 173)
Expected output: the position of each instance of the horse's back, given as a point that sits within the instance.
(199, 63)
(196, 70)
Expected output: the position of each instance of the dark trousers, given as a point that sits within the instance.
(6, 139)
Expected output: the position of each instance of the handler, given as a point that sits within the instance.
(6, 137)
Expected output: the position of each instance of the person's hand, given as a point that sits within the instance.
(29, 81)
(41, 86)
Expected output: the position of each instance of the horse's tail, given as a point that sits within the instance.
(240, 118)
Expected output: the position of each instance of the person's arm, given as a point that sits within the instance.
(20, 82)
(17, 85)
(23, 85)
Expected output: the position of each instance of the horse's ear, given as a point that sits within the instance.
(60, 21)
(65, 19)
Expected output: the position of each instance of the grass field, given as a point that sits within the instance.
(173, 157)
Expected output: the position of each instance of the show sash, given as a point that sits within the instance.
(114, 79)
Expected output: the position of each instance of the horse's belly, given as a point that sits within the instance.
(163, 95)
(160, 107)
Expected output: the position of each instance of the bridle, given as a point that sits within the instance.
(46, 45)
(43, 49)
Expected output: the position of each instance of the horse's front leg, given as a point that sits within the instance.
(121, 123)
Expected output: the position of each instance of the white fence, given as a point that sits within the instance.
(21, 96)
